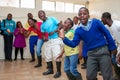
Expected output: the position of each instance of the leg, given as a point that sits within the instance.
(32, 42)
(21, 51)
(58, 73)
(67, 68)
(9, 48)
(38, 51)
(5, 46)
(48, 59)
(56, 49)
(105, 64)
(50, 68)
(16, 53)
(92, 68)
(106, 67)
(73, 66)
(84, 65)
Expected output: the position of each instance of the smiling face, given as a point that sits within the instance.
(68, 24)
(83, 15)
(31, 22)
(19, 24)
(42, 15)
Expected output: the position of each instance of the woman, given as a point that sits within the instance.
(19, 42)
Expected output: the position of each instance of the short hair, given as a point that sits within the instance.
(75, 17)
(85, 9)
(106, 15)
(71, 22)
(42, 11)
(33, 20)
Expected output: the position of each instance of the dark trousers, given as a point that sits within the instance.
(8, 42)
(117, 70)
(16, 52)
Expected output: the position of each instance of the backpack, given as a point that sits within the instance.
(1, 31)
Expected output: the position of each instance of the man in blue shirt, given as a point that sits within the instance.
(53, 43)
(98, 41)
(8, 26)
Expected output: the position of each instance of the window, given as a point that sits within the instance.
(60, 6)
(69, 7)
(27, 4)
(48, 5)
(77, 7)
(9, 3)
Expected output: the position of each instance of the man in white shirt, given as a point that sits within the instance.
(114, 28)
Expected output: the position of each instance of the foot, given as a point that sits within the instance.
(10, 60)
(48, 72)
(57, 75)
(22, 59)
(83, 64)
(15, 59)
(83, 67)
(33, 60)
(38, 65)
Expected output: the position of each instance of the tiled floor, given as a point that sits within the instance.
(24, 70)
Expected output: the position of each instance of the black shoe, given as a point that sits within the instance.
(83, 64)
(48, 72)
(22, 59)
(83, 67)
(39, 62)
(57, 75)
(15, 59)
(38, 65)
(33, 60)
(10, 60)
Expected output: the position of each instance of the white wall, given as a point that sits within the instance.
(21, 15)
(97, 7)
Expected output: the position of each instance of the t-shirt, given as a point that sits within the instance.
(27, 26)
(115, 30)
(38, 32)
(50, 25)
(68, 50)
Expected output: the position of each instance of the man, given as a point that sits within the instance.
(8, 26)
(53, 43)
(98, 41)
(114, 28)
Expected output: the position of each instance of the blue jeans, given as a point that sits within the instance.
(39, 46)
(32, 43)
(70, 64)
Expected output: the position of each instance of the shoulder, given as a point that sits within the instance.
(39, 23)
(53, 18)
(95, 20)
(13, 21)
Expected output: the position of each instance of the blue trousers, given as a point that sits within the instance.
(70, 64)
(32, 43)
(39, 46)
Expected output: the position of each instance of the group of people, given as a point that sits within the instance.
(89, 38)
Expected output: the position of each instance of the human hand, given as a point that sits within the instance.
(114, 52)
(45, 39)
(8, 31)
(118, 59)
(61, 33)
(60, 56)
